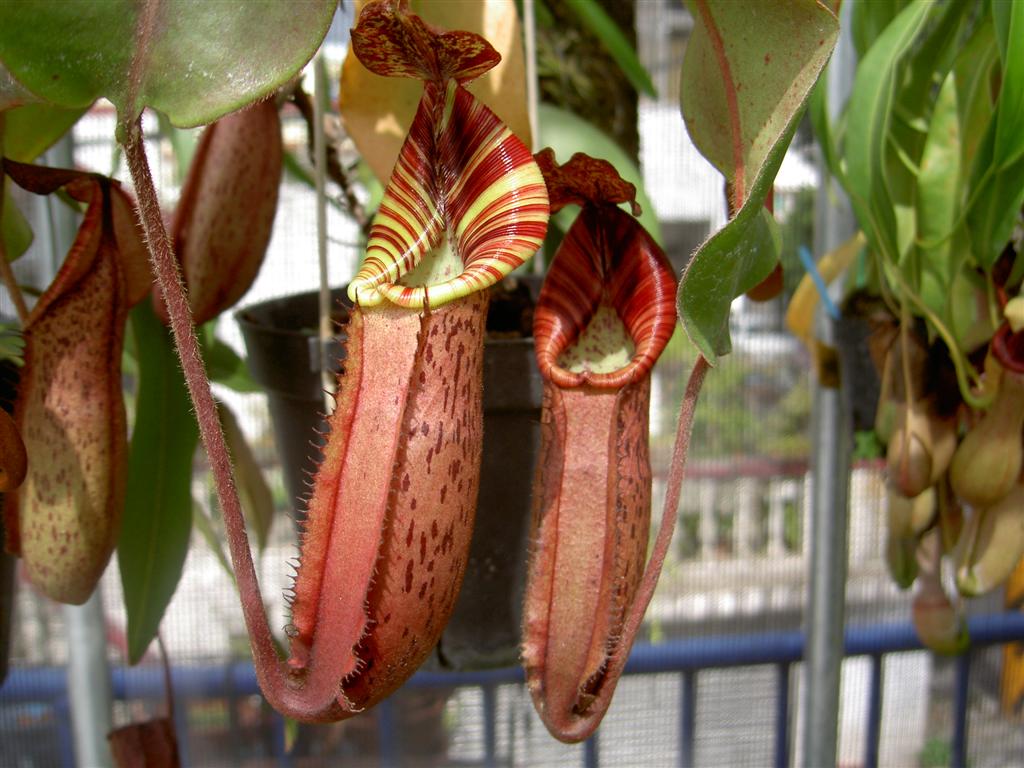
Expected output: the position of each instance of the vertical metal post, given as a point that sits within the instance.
(827, 578)
(490, 695)
(89, 689)
(874, 712)
(830, 468)
(687, 718)
(387, 734)
(65, 739)
(591, 756)
(960, 693)
(782, 716)
(278, 743)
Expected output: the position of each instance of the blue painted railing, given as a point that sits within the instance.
(687, 657)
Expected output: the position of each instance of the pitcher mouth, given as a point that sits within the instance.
(607, 308)
(466, 204)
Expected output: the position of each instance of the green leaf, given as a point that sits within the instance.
(14, 227)
(566, 133)
(973, 73)
(158, 504)
(996, 200)
(34, 128)
(12, 344)
(1009, 139)
(193, 60)
(995, 191)
(742, 83)
(223, 364)
(204, 525)
(604, 28)
(870, 111)
(817, 111)
(730, 263)
(12, 93)
(183, 144)
(868, 19)
(543, 14)
(925, 69)
(938, 192)
(254, 493)
(744, 88)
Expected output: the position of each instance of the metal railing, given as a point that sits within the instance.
(688, 658)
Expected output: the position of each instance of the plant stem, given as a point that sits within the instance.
(168, 277)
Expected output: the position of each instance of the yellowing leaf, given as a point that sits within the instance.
(378, 111)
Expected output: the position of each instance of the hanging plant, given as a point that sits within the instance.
(605, 313)
(465, 205)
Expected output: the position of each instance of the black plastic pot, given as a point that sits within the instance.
(861, 381)
(484, 631)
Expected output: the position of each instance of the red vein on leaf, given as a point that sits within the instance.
(718, 46)
(144, 33)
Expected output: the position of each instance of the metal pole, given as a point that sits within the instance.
(321, 97)
(827, 580)
(89, 687)
(830, 470)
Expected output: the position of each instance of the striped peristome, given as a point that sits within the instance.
(606, 259)
(464, 176)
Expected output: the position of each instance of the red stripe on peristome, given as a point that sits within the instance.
(605, 253)
(457, 150)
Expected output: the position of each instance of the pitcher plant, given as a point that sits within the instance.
(605, 313)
